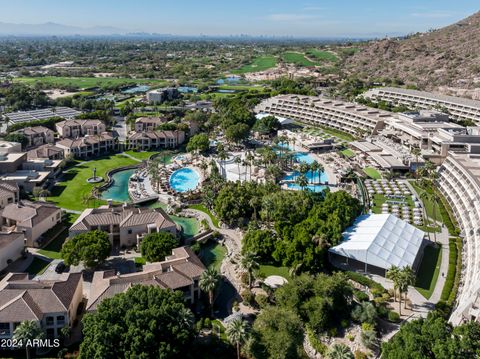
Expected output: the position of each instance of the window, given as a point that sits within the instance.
(50, 332)
(49, 320)
(5, 329)
(60, 320)
(129, 231)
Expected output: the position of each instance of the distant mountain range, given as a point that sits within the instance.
(51, 28)
(447, 57)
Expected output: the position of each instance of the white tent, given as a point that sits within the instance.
(381, 240)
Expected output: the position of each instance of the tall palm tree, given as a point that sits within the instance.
(208, 283)
(223, 156)
(249, 263)
(320, 170)
(416, 152)
(238, 160)
(339, 351)
(393, 274)
(302, 181)
(237, 332)
(250, 158)
(314, 168)
(203, 166)
(407, 278)
(28, 330)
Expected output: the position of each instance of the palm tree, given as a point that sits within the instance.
(223, 156)
(26, 331)
(339, 351)
(314, 168)
(407, 278)
(250, 158)
(208, 283)
(302, 181)
(203, 166)
(320, 169)
(238, 161)
(237, 333)
(249, 263)
(185, 318)
(416, 152)
(393, 274)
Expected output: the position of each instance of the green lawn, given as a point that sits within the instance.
(268, 270)
(143, 155)
(212, 254)
(337, 133)
(258, 64)
(322, 55)
(348, 153)
(52, 250)
(428, 271)
(70, 193)
(190, 226)
(38, 266)
(372, 173)
(297, 58)
(86, 82)
(429, 205)
(201, 207)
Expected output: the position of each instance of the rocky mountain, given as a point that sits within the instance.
(447, 59)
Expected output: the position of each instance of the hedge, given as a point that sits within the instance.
(452, 281)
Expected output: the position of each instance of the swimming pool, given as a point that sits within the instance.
(118, 191)
(312, 178)
(185, 179)
(136, 89)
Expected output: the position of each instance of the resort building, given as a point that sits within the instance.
(9, 193)
(48, 151)
(148, 123)
(376, 242)
(79, 128)
(25, 179)
(12, 247)
(53, 305)
(459, 182)
(181, 271)
(88, 145)
(31, 218)
(37, 135)
(321, 111)
(11, 156)
(125, 225)
(147, 140)
(457, 107)
(163, 94)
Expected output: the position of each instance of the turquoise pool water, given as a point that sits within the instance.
(118, 191)
(185, 179)
(137, 89)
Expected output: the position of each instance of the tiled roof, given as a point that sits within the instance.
(44, 151)
(28, 214)
(149, 120)
(82, 123)
(35, 130)
(154, 135)
(7, 238)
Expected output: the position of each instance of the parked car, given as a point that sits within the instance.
(60, 267)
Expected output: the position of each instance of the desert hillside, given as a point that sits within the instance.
(447, 59)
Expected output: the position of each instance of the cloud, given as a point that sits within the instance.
(436, 14)
(292, 17)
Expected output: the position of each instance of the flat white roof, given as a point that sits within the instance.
(381, 240)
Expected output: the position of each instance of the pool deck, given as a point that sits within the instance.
(332, 177)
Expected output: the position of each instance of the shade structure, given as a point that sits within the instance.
(381, 240)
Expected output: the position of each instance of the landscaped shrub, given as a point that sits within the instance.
(360, 296)
(207, 323)
(452, 281)
(360, 355)
(393, 316)
(262, 300)
(315, 342)
(376, 288)
(248, 297)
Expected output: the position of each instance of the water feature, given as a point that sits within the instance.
(229, 79)
(185, 179)
(226, 91)
(136, 89)
(187, 89)
(118, 191)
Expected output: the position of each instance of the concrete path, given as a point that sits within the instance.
(130, 156)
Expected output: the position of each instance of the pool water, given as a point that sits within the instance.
(137, 89)
(185, 179)
(118, 191)
(187, 89)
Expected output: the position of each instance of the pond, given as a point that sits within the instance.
(136, 89)
(118, 191)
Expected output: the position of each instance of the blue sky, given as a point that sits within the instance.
(317, 18)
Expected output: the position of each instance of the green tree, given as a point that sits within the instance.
(237, 132)
(156, 246)
(91, 248)
(199, 143)
(143, 322)
(278, 332)
(365, 312)
(237, 332)
(260, 242)
(250, 264)
(208, 283)
(393, 274)
(27, 331)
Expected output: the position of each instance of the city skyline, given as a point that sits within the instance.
(270, 18)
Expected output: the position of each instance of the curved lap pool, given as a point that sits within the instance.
(185, 179)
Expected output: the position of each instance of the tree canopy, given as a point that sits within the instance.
(145, 322)
(199, 143)
(156, 246)
(91, 248)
